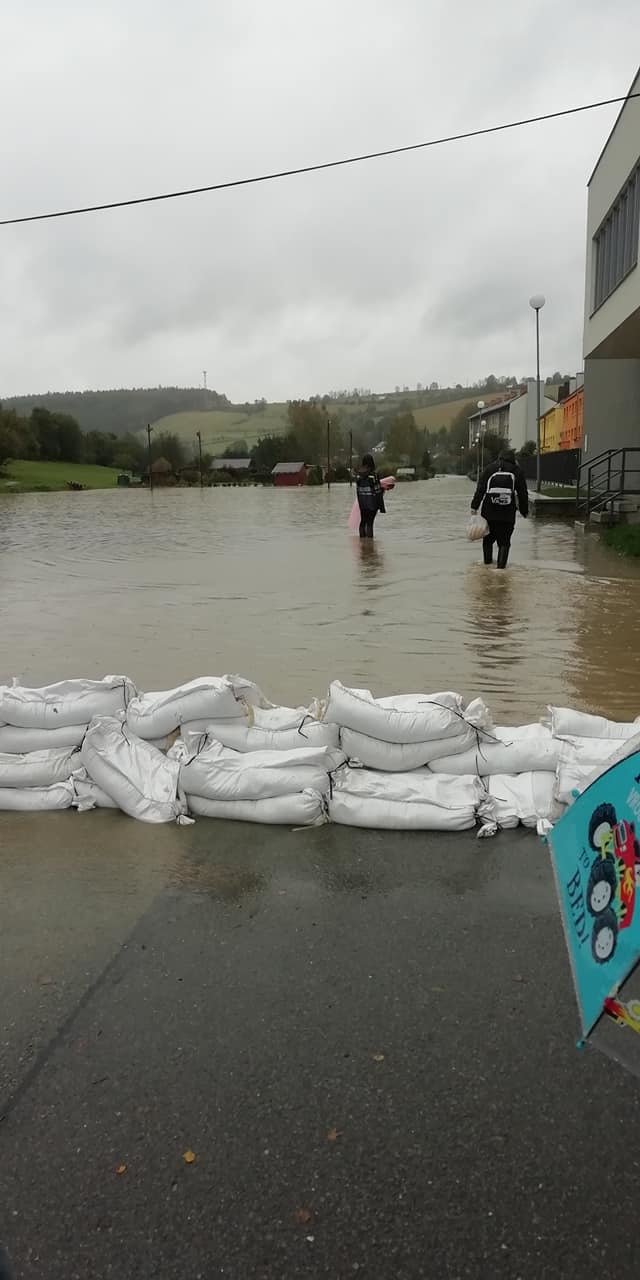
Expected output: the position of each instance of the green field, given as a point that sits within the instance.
(221, 427)
(42, 477)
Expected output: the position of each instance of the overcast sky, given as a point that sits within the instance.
(406, 269)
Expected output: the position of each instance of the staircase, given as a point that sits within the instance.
(608, 487)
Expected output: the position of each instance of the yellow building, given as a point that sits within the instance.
(551, 424)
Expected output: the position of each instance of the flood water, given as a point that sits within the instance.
(269, 583)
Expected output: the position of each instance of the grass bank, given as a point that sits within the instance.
(624, 538)
(47, 477)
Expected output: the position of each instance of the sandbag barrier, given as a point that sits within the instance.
(216, 747)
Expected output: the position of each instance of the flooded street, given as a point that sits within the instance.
(270, 583)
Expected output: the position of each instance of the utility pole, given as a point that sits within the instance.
(350, 458)
(328, 452)
(200, 455)
(149, 430)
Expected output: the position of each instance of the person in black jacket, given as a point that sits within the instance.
(500, 492)
(370, 495)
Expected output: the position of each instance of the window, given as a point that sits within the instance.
(616, 241)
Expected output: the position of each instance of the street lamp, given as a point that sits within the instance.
(483, 429)
(477, 440)
(537, 302)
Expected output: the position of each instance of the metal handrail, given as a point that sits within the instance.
(600, 488)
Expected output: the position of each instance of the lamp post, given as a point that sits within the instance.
(477, 441)
(483, 429)
(537, 302)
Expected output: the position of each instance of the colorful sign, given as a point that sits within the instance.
(596, 859)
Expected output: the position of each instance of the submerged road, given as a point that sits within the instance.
(365, 1040)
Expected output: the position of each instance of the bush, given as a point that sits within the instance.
(624, 538)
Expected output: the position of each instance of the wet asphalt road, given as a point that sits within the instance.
(367, 1040)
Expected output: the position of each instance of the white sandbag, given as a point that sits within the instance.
(405, 718)
(37, 799)
(306, 809)
(88, 795)
(241, 736)
(140, 779)
(154, 715)
(14, 741)
(217, 773)
(38, 768)
(568, 723)
(398, 757)
(518, 732)
(523, 798)
(415, 801)
(393, 815)
(574, 775)
(69, 702)
(537, 754)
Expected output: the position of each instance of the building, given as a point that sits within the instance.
(287, 474)
(233, 465)
(612, 290)
(161, 473)
(514, 419)
(562, 426)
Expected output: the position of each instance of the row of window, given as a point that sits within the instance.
(616, 242)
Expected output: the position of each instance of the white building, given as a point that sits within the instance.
(612, 293)
(516, 419)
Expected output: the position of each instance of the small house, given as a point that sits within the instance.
(161, 472)
(235, 466)
(287, 474)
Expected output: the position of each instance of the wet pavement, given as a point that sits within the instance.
(367, 1040)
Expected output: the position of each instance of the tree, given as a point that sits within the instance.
(169, 446)
(402, 439)
(528, 450)
(69, 438)
(239, 449)
(309, 426)
(273, 449)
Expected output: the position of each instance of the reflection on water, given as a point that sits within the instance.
(175, 584)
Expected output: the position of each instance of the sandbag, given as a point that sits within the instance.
(88, 795)
(589, 751)
(37, 799)
(69, 702)
(566, 722)
(398, 757)
(574, 775)
(14, 741)
(407, 718)
(241, 736)
(523, 798)
(306, 809)
(537, 754)
(393, 815)
(414, 801)
(38, 768)
(155, 715)
(140, 779)
(217, 773)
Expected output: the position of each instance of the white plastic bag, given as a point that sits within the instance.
(520, 756)
(38, 768)
(417, 717)
(37, 799)
(477, 528)
(525, 798)
(69, 702)
(306, 809)
(140, 779)
(18, 742)
(241, 736)
(217, 773)
(155, 715)
(399, 757)
(568, 723)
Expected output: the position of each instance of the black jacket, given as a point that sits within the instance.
(496, 508)
(369, 491)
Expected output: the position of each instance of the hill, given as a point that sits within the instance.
(121, 410)
(221, 428)
(42, 477)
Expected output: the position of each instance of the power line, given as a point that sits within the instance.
(316, 168)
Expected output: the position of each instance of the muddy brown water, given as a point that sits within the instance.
(270, 583)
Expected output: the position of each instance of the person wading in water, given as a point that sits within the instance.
(501, 491)
(370, 495)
